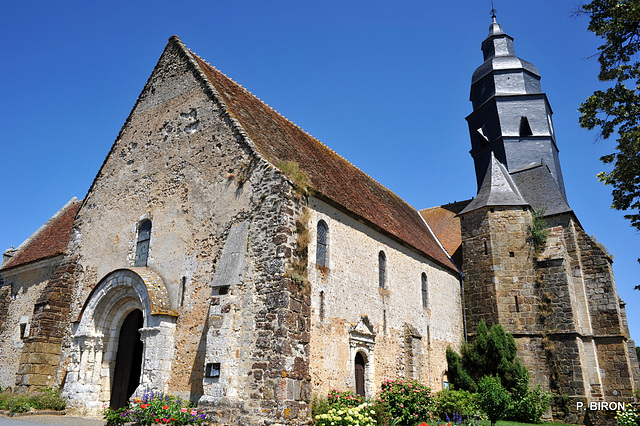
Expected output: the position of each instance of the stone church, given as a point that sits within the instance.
(224, 255)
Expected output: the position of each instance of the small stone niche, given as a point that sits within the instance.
(220, 290)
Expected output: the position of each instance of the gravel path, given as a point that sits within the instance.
(45, 420)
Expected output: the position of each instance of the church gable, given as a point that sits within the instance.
(177, 184)
(176, 162)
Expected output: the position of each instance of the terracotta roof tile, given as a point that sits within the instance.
(332, 176)
(445, 223)
(48, 241)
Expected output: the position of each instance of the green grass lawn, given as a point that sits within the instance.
(506, 423)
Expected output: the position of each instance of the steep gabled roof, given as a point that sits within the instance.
(445, 223)
(333, 178)
(48, 241)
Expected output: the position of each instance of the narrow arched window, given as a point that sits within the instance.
(425, 291)
(382, 269)
(142, 247)
(321, 248)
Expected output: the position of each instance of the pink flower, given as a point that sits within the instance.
(183, 410)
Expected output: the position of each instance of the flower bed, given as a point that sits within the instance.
(156, 408)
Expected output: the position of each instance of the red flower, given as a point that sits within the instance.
(143, 406)
(157, 420)
(166, 407)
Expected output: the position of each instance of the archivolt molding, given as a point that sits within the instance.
(158, 296)
(147, 285)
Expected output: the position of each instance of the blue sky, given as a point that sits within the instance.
(385, 84)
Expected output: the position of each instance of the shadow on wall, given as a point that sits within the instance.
(196, 377)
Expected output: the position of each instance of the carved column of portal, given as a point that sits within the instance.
(84, 374)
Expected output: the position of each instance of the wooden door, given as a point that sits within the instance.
(126, 376)
(359, 367)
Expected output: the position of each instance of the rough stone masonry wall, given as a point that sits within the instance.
(279, 367)
(173, 163)
(479, 288)
(40, 356)
(259, 331)
(5, 301)
(564, 316)
(500, 281)
(26, 283)
(407, 339)
(610, 333)
(564, 287)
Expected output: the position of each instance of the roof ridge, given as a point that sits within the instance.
(292, 123)
(235, 123)
(37, 247)
(274, 138)
(45, 225)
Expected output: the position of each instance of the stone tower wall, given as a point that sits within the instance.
(559, 303)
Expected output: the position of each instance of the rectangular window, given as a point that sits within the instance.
(212, 370)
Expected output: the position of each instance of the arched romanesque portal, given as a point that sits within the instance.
(95, 341)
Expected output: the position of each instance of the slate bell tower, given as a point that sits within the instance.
(511, 115)
(558, 298)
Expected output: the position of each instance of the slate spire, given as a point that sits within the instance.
(498, 189)
(511, 116)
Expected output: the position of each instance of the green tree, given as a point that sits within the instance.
(616, 110)
(491, 354)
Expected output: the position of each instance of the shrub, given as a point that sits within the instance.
(319, 405)
(491, 354)
(344, 398)
(456, 406)
(156, 407)
(359, 415)
(538, 231)
(20, 402)
(341, 400)
(529, 404)
(49, 399)
(629, 417)
(493, 398)
(407, 401)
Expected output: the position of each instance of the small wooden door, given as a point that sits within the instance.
(359, 367)
(126, 376)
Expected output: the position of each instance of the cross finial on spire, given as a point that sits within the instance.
(493, 11)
